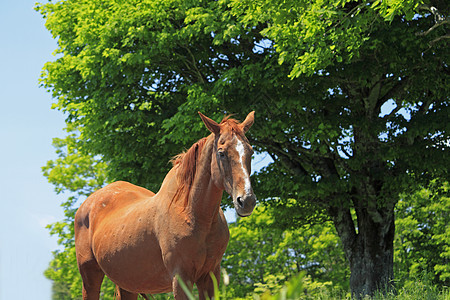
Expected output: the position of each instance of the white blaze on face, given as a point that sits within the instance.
(241, 150)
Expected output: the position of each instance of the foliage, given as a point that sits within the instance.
(261, 257)
(423, 236)
(352, 97)
(295, 289)
(60, 291)
(313, 35)
(131, 75)
(423, 289)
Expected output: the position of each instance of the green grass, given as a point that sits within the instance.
(421, 290)
(295, 289)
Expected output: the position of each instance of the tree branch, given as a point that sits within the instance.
(439, 21)
(426, 104)
(395, 89)
(425, 33)
(193, 63)
(394, 111)
(286, 160)
(437, 16)
(447, 36)
(334, 156)
(342, 149)
(345, 227)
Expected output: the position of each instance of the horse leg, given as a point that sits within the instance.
(205, 285)
(125, 295)
(92, 277)
(178, 291)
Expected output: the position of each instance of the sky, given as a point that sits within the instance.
(27, 126)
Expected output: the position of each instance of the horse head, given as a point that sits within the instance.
(231, 161)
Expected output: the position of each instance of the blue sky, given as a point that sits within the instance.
(27, 126)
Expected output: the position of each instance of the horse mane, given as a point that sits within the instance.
(187, 160)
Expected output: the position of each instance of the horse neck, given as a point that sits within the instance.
(204, 197)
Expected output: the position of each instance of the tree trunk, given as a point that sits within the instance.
(372, 258)
(369, 247)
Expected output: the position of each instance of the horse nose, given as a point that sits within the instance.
(239, 201)
(245, 204)
(246, 200)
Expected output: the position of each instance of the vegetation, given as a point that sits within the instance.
(352, 102)
(423, 236)
(261, 257)
(296, 288)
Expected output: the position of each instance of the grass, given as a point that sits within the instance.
(295, 289)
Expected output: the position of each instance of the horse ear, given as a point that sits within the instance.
(210, 124)
(248, 122)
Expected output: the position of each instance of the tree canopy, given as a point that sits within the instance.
(352, 100)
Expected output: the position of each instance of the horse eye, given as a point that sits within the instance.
(221, 153)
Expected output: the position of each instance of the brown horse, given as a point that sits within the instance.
(142, 240)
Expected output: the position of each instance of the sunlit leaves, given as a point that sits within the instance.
(423, 235)
(268, 256)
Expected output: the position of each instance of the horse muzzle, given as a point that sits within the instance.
(244, 204)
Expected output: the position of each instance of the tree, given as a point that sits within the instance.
(351, 99)
(261, 256)
(60, 291)
(423, 235)
(352, 152)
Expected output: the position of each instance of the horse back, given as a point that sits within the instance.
(104, 202)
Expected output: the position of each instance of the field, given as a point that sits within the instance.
(296, 289)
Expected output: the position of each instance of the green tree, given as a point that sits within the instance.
(261, 257)
(345, 144)
(60, 291)
(352, 100)
(423, 236)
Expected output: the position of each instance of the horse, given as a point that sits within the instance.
(145, 242)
